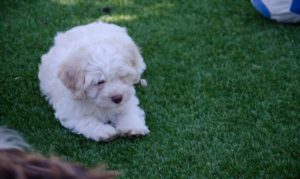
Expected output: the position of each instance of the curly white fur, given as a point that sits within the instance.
(88, 77)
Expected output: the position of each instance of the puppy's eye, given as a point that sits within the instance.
(100, 82)
(125, 76)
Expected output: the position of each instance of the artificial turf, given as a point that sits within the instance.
(223, 95)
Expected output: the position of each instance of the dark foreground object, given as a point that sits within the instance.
(16, 164)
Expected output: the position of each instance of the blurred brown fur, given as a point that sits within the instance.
(16, 164)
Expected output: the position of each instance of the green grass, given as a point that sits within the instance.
(223, 96)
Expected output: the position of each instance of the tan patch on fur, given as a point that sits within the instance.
(72, 74)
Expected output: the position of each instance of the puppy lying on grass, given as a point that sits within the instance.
(17, 164)
(88, 77)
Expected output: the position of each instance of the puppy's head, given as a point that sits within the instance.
(103, 74)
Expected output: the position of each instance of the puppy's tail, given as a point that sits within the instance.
(10, 139)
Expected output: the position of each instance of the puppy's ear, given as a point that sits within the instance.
(72, 74)
(137, 62)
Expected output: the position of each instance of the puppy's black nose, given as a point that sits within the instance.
(117, 98)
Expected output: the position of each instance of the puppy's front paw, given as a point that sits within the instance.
(133, 131)
(104, 133)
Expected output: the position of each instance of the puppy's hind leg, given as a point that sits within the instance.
(91, 128)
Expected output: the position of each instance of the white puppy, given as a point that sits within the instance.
(88, 77)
